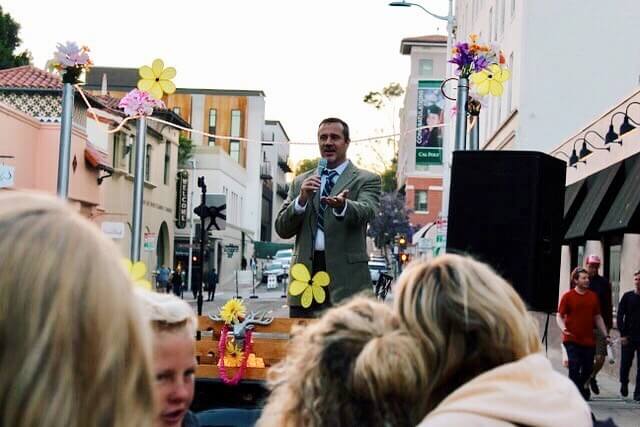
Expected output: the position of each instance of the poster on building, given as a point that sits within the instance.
(150, 242)
(430, 111)
(7, 176)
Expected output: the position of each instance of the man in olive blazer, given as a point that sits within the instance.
(336, 244)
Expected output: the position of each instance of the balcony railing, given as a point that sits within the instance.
(282, 190)
(284, 164)
(265, 170)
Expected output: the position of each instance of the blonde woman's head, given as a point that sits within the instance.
(74, 350)
(466, 318)
(352, 367)
(174, 362)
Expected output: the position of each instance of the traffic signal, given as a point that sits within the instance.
(404, 257)
(402, 240)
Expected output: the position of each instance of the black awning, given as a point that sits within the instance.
(602, 188)
(624, 213)
(571, 193)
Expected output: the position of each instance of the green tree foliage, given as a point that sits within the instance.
(392, 219)
(306, 165)
(389, 180)
(185, 151)
(9, 42)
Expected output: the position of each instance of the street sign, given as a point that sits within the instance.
(7, 176)
(441, 236)
(114, 230)
(150, 242)
(182, 199)
(230, 249)
(217, 204)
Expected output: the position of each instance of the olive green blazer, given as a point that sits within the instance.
(345, 237)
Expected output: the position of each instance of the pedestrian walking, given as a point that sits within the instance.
(602, 287)
(212, 283)
(578, 316)
(176, 282)
(629, 327)
(163, 279)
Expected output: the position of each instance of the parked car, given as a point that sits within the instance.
(375, 268)
(284, 257)
(274, 268)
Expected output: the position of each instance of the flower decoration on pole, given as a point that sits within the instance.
(71, 60)
(157, 79)
(310, 288)
(137, 272)
(481, 63)
(139, 103)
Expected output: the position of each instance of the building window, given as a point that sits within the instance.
(167, 162)
(213, 119)
(234, 150)
(176, 110)
(234, 146)
(421, 204)
(132, 150)
(147, 163)
(426, 68)
(117, 148)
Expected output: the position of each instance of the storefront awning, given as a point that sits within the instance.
(601, 190)
(266, 250)
(624, 213)
(571, 199)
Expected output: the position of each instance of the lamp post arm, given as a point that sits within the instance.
(440, 17)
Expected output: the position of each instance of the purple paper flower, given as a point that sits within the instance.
(70, 55)
(480, 63)
(139, 103)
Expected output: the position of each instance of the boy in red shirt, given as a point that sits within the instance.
(578, 315)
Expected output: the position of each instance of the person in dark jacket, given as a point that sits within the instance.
(602, 288)
(212, 283)
(629, 327)
(176, 282)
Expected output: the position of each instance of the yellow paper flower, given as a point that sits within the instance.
(232, 311)
(310, 288)
(233, 355)
(137, 272)
(156, 79)
(490, 80)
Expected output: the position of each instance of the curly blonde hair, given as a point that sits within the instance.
(466, 318)
(353, 367)
(74, 350)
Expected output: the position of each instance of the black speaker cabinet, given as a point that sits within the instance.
(505, 209)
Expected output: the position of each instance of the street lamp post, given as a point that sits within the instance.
(450, 20)
(191, 222)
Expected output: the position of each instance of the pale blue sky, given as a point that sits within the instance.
(312, 58)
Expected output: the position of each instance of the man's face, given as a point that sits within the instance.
(433, 119)
(636, 281)
(583, 281)
(592, 269)
(333, 146)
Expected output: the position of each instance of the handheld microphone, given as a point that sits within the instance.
(322, 165)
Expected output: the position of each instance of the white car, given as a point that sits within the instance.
(284, 256)
(274, 269)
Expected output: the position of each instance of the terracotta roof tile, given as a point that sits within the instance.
(29, 77)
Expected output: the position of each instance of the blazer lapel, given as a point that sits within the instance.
(345, 178)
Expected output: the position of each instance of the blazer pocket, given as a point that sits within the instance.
(353, 258)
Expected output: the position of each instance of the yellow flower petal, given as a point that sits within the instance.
(483, 88)
(146, 73)
(503, 76)
(156, 91)
(168, 73)
(478, 78)
(297, 287)
(321, 278)
(300, 272)
(494, 69)
(127, 265)
(307, 297)
(167, 86)
(318, 294)
(157, 67)
(495, 88)
(138, 270)
(145, 84)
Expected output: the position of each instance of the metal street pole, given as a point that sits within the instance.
(447, 140)
(64, 151)
(138, 187)
(191, 222)
(203, 239)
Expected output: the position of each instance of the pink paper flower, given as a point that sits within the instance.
(139, 103)
(70, 55)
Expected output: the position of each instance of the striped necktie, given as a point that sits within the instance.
(326, 191)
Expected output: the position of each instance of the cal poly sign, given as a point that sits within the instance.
(182, 199)
(429, 156)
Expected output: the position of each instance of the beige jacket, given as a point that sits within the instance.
(523, 393)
